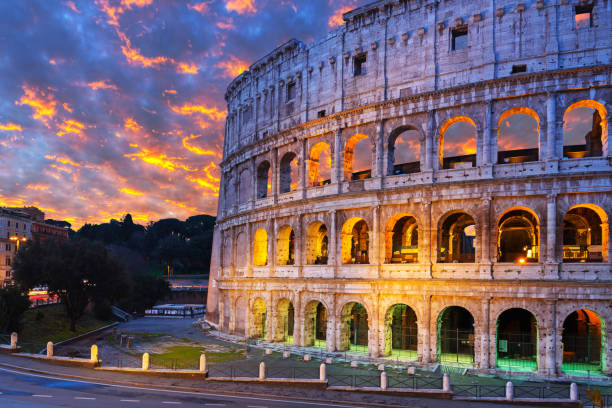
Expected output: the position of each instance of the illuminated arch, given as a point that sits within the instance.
(414, 166)
(315, 324)
(285, 315)
(285, 246)
(259, 317)
(518, 236)
(288, 173)
(354, 242)
(457, 238)
(260, 248)
(585, 237)
(349, 152)
(354, 328)
(584, 343)
(316, 249)
(521, 154)
(401, 333)
(517, 340)
(316, 169)
(455, 332)
(401, 239)
(264, 182)
(469, 148)
(591, 150)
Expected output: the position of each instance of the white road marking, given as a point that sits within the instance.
(42, 396)
(172, 402)
(84, 398)
(129, 400)
(166, 391)
(256, 406)
(215, 405)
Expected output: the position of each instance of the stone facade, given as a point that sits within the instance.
(420, 66)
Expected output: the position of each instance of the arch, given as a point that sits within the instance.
(354, 328)
(352, 161)
(585, 238)
(588, 144)
(315, 325)
(456, 336)
(227, 254)
(258, 319)
(244, 189)
(288, 173)
(458, 147)
(285, 315)
(401, 333)
(402, 239)
(404, 151)
(355, 242)
(264, 179)
(241, 261)
(285, 246)
(260, 248)
(457, 238)
(584, 343)
(518, 233)
(517, 340)
(519, 145)
(319, 165)
(316, 248)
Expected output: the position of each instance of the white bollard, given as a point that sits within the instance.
(574, 392)
(262, 371)
(353, 364)
(381, 367)
(268, 351)
(329, 360)
(446, 382)
(306, 357)
(509, 391)
(286, 354)
(203, 363)
(145, 361)
(49, 349)
(94, 354)
(13, 341)
(411, 371)
(322, 373)
(383, 380)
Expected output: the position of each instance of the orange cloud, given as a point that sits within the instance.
(63, 160)
(52, 62)
(201, 8)
(70, 126)
(134, 56)
(42, 102)
(187, 68)
(241, 6)
(113, 13)
(137, 3)
(130, 191)
(182, 205)
(195, 149)
(159, 160)
(101, 85)
(336, 19)
(73, 7)
(10, 126)
(233, 67)
(67, 107)
(189, 109)
(169, 91)
(131, 124)
(38, 187)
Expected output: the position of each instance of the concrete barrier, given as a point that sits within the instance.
(322, 372)
(509, 391)
(50, 349)
(145, 361)
(203, 363)
(383, 380)
(262, 371)
(94, 354)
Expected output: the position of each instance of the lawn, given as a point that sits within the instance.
(189, 357)
(49, 323)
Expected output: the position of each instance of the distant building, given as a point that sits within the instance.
(18, 225)
(15, 228)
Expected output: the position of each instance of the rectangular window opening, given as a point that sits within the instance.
(321, 114)
(517, 69)
(359, 67)
(460, 38)
(291, 91)
(584, 16)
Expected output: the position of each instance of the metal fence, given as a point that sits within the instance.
(541, 391)
(292, 372)
(415, 382)
(456, 346)
(479, 390)
(156, 362)
(353, 380)
(231, 371)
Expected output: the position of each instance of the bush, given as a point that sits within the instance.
(13, 304)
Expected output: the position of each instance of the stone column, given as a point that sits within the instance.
(424, 351)
(298, 319)
(253, 183)
(375, 238)
(251, 248)
(303, 176)
(373, 329)
(337, 170)
(333, 328)
(428, 248)
(232, 314)
(275, 175)
(272, 254)
(546, 341)
(427, 161)
(233, 255)
(606, 248)
(552, 264)
(485, 240)
(333, 242)
(485, 155)
(486, 339)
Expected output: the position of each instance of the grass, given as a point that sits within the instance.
(189, 356)
(49, 323)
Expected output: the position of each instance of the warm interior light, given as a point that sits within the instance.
(522, 260)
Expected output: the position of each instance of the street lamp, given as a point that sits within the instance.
(18, 240)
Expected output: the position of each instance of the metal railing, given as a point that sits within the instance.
(353, 380)
(479, 390)
(414, 382)
(292, 372)
(157, 362)
(231, 371)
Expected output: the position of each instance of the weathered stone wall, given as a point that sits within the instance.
(414, 80)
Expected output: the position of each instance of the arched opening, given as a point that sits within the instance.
(585, 130)
(227, 255)
(258, 319)
(404, 151)
(260, 248)
(518, 136)
(401, 333)
(288, 176)
(457, 239)
(402, 240)
(354, 328)
(517, 340)
(355, 242)
(241, 261)
(264, 180)
(456, 336)
(316, 244)
(284, 322)
(582, 235)
(285, 246)
(227, 313)
(319, 166)
(358, 158)
(245, 187)
(458, 143)
(315, 325)
(239, 312)
(583, 342)
(517, 237)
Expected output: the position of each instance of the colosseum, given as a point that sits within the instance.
(430, 182)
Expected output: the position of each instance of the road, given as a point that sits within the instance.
(21, 389)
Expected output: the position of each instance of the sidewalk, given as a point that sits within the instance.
(75, 373)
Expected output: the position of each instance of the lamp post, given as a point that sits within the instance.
(18, 240)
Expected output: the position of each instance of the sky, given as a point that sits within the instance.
(116, 106)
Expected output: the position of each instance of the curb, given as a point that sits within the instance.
(189, 389)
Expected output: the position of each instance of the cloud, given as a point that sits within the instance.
(197, 150)
(336, 19)
(42, 102)
(189, 109)
(101, 85)
(233, 67)
(241, 6)
(10, 126)
(132, 192)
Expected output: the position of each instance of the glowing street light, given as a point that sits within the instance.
(18, 240)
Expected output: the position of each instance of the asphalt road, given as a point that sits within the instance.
(21, 389)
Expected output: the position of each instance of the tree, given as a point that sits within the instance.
(78, 271)
(13, 304)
